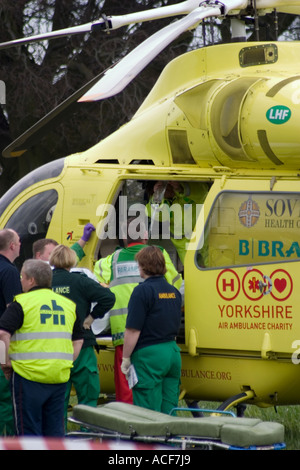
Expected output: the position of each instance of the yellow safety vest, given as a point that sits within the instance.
(42, 350)
(123, 276)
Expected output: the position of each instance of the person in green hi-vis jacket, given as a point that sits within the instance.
(120, 271)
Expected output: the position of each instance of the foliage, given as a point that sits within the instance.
(40, 76)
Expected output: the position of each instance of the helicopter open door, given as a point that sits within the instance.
(241, 295)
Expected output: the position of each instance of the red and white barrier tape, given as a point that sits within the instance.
(39, 443)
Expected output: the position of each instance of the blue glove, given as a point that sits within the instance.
(87, 232)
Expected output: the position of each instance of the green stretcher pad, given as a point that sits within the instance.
(134, 421)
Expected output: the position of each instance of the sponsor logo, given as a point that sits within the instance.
(278, 114)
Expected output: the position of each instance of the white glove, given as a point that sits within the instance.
(126, 363)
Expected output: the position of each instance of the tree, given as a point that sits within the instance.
(40, 76)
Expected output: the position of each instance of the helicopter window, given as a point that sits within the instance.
(133, 162)
(141, 162)
(108, 162)
(49, 170)
(31, 220)
(251, 228)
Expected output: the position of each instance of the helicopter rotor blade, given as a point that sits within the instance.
(107, 23)
(119, 76)
(45, 36)
(32, 136)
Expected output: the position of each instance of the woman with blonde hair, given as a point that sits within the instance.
(153, 322)
(63, 257)
(84, 292)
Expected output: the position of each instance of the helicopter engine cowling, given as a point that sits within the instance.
(256, 121)
(271, 135)
(246, 121)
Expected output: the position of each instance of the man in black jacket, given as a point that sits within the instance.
(92, 301)
(10, 285)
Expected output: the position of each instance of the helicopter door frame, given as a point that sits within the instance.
(100, 251)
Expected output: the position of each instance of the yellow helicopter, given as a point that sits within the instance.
(224, 116)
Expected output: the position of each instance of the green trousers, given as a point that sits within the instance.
(158, 369)
(7, 426)
(85, 378)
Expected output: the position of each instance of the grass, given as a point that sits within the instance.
(289, 416)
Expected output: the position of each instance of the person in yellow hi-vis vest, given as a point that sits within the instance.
(120, 271)
(43, 336)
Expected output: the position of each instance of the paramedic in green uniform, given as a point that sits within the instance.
(84, 292)
(120, 271)
(153, 322)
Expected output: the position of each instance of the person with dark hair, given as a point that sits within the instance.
(120, 271)
(153, 322)
(43, 337)
(10, 285)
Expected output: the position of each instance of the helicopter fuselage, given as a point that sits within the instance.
(227, 117)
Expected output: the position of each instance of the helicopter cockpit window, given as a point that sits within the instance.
(31, 220)
(49, 170)
(251, 228)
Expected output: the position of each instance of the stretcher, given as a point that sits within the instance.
(121, 421)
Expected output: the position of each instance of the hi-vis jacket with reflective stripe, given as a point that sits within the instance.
(121, 272)
(42, 350)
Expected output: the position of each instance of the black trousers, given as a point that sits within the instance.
(38, 407)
